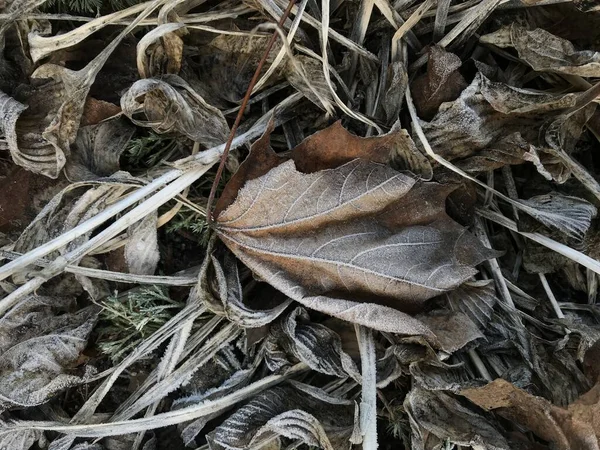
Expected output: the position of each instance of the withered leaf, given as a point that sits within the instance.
(397, 82)
(296, 411)
(160, 51)
(227, 63)
(443, 416)
(453, 330)
(476, 299)
(549, 422)
(442, 82)
(487, 110)
(37, 357)
(71, 206)
(41, 123)
(170, 104)
(334, 146)
(18, 439)
(571, 215)
(306, 75)
(141, 250)
(314, 344)
(329, 238)
(545, 52)
(97, 150)
(228, 298)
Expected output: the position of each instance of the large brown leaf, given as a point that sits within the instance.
(341, 241)
(567, 429)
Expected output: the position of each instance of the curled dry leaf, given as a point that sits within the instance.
(19, 439)
(296, 411)
(160, 51)
(442, 82)
(331, 237)
(228, 298)
(397, 82)
(97, 150)
(69, 208)
(306, 75)
(545, 52)
(567, 429)
(314, 344)
(39, 348)
(141, 250)
(441, 415)
(170, 104)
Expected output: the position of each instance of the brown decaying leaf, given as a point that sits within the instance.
(441, 83)
(338, 236)
(572, 428)
(545, 52)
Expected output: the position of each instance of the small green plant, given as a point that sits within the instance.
(398, 425)
(193, 222)
(149, 150)
(127, 319)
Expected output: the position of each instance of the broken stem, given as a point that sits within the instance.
(551, 296)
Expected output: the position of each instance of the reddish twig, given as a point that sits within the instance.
(238, 119)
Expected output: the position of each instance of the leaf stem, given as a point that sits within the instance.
(238, 119)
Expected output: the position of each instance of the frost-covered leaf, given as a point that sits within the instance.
(366, 245)
(41, 123)
(442, 82)
(296, 411)
(71, 206)
(409, 157)
(314, 344)
(453, 330)
(476, 299)
(18, 439)
(235, 381)
(397, 81)
(306, 75)
(443, 416)
(514, 150)
(97, 150)
(35, 367)
(545, 52)
(170, 104)
(487, 111)
(36, 315)
(228, 298)
(227, 63)
(141, 250)
(570, 215)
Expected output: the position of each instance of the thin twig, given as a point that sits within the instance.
(238, 119)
